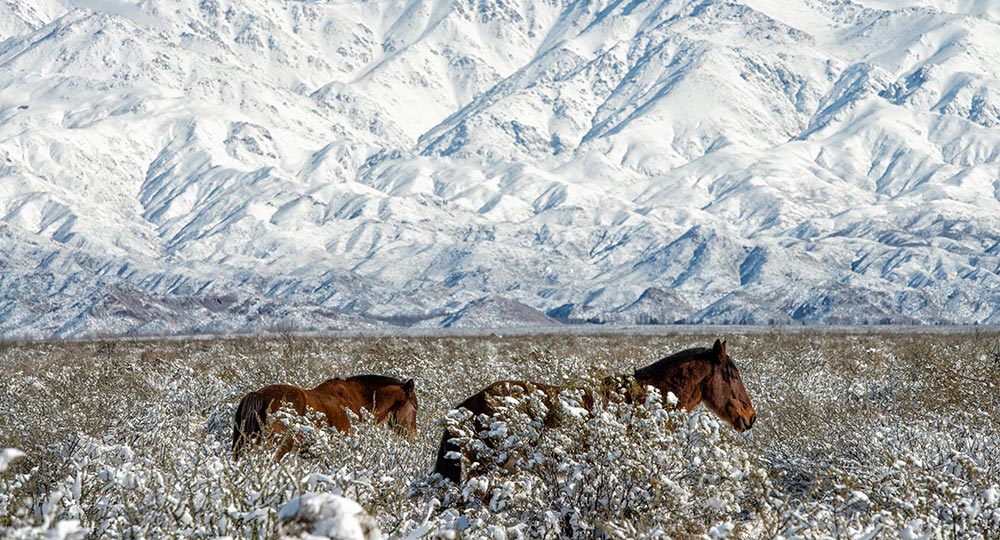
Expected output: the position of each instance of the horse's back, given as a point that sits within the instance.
(346, 392)
(479, 402)
(335, 395)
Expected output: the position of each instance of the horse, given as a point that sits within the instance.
(694, 376)
(387, 398)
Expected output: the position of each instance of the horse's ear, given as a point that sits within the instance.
(408, 387)
(719, 351)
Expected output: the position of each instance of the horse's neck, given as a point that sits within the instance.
(368, 392)
(683, 380)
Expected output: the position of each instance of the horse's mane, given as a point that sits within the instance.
(375, 380)
(660, 366)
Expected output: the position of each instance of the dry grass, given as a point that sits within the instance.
(833, 408)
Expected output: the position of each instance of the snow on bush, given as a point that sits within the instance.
(182, 482)
(628, 470)
(7, 456)
(323, 515)
(857, 437)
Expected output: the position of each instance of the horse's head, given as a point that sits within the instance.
(703, 375)
(723, 391)
(398, 404)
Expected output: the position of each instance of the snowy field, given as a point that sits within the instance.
(859, 435)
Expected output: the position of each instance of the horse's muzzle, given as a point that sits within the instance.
(743, 423)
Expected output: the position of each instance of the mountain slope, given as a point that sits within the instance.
(323, 165)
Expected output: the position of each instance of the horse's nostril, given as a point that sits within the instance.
(753, 418)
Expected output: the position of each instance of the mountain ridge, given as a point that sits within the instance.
(410, 161)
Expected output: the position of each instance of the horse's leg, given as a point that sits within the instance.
(337, 418)
(284, 438)
(334, 411)
(295, 397)
(286, 445)
(445, 466)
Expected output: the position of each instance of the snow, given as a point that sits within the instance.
(329, 516)
(911, 452)
(442, 164)
(7, 456)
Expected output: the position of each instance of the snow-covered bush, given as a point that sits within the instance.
(322, 515)
(627, 470)
(858, 436)
(183, 482)
(7, 456)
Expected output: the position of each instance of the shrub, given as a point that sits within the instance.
(858, 436)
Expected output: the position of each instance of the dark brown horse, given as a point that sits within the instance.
(387, 398)
(699, 375)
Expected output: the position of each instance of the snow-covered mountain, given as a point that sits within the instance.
(221, 165)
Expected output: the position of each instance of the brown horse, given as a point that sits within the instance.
(699, 375)
(387, 398)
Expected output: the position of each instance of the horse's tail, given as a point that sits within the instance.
(250, 416)
(447, 467)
